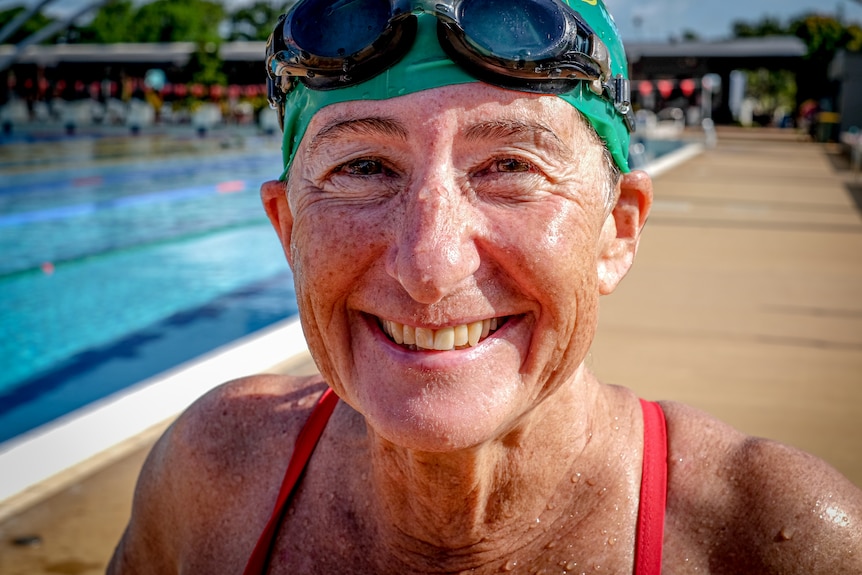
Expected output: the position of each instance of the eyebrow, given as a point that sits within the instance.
(341, 127)
(507, 129)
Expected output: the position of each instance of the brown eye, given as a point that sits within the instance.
(362, 167)
(512, 165)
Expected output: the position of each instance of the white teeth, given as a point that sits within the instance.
(396, 330)
(474, 333)
(444, 339)
(409, 335)
(424, 338)
(461, 334)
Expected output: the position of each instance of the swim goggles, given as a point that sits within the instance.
(540, 46)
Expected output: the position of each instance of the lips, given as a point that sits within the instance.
(444, 339)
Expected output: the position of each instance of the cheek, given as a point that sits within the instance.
(331, 247)
(555, 249)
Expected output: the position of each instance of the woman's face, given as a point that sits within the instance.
(417, 225)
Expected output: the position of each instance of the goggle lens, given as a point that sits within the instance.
(339, 29)
(513, 30)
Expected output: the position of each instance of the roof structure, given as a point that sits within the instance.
(766, 47)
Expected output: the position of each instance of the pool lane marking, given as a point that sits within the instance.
(124, 174)
(78, 210)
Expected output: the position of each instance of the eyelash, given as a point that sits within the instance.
(352, 168)
(492, 167)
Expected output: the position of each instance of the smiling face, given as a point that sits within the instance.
(448, 248)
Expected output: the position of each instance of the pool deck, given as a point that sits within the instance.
(745, 301)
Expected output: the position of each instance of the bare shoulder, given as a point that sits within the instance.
(742, 504)
(207, 486)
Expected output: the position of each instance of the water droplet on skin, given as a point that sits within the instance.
(591, 482)
(576, 477)
(510, 566)
(571, 565)
(612, 541)
(786, 534)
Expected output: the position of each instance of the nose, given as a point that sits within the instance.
(434, 250)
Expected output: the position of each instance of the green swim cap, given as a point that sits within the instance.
(427, 66)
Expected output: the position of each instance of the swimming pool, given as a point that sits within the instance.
(124, 258)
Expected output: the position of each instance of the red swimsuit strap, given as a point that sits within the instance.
(650, 524)
(306, 441)
(653, 500)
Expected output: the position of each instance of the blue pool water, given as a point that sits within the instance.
(113, 271)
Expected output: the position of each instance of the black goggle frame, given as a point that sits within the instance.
(580, 56)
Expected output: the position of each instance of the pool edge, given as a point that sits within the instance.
(49, 458)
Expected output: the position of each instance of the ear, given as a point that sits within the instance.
(622, 228)
(273, 194)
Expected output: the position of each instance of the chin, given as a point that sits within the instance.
(440, 413)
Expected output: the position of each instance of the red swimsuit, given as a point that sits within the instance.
(650, 524)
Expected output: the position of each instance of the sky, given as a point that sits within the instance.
(643, 20)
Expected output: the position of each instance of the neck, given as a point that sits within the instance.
(488, 501)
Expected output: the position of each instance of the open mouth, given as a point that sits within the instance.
(444, 339)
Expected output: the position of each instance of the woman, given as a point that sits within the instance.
(449, 240)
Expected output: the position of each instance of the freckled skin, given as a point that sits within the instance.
(439, 209)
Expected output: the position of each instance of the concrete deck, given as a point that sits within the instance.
(745, 301)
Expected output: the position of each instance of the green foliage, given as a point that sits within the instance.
(824, 35)
(768, 26)
(690, 36)
(111, 23)
(773, 89)
(35, 23)
(854, 40)
(178, 21)
(205, 65)
(254, 22)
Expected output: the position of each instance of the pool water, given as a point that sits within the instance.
(116, 267)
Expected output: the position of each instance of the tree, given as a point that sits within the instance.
(112, 23)
(36, 22)
(690, 36)
(254, 22)
(766, 27)
(823, 36)
(178, 21)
